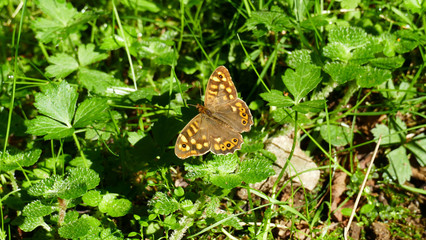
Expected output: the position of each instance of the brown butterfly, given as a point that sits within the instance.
(218, 126)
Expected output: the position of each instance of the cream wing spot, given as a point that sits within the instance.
(193, 141)
(183, 138)
(216, 146)
(215, 79)
(234, 109)
(218, 139)
(206, 144)
(221, 86)
(199, 146)
(231, 96)
(228, 89)
(225, 97)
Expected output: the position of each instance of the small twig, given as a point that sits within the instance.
(361, 189)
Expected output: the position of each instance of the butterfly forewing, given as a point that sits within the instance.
(236, 114)
(220, 89)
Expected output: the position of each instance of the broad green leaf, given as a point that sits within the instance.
(371, 77)
(141, 5)
(388, 135)
(415, 6)
(277, 98)
(337, 51)
(366, 208)
(342, 72)
(52, 129)
(86, 176)
(299, 57)
(49, 187)
(388, 63)
(351, 37)
(349, 4)
(58, 102)
(37, 209)
(223, 164)
(58, 10)
(302, 81)
(312, 106)
(156, 50)
(119, 207)
(143, 93)
(255, 170)
(399, 166)
(231, 220)
(14, 159)
(102, 83)
(336, 135)
(364, 54)
(87, 55)
(275, 20)
(89, 111)
(418, 147)
(407, 40)
(76, 229)
(92, 198)
(31, 223)
(61, 66)
(226, 181)
(163, 204)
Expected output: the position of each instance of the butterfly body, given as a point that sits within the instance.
(220, 121)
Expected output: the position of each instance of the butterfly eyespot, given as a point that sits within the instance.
(220, 76)
(228, 145)
(235, 140)
(242, 109)
(222, 147)
(244, 114)
(244, 122)
(184, 145)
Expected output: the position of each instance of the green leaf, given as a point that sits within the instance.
(350, 37)
(299, 57)
(31, 223)
(388, 63)
(226, 181)
(42, 125)
(312, 106)
(141, 5)
(114, 207)
(336, 135)
(337, 51)
(255, 170)
(399, 166)
(277, 98)
(366, 208)
(61, 66)
(159, 52)
(14, 159)
(418, 147)
(143, 93)
(349, 4)
(87, 55)
(274, 20)
(89, 111)
(388, 134)
(58, 101)
(76, 229)
(371, 77)
(162, 204)
(48, 187)
(302, 81)
(407, 40)
(58, 10)
(86, 176)
(342, 72)
(37, 209)
(366, 53)
(102, 83)
(92, 198)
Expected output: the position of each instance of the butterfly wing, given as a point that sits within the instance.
(236, 114)
(220, 88)
(194, 138)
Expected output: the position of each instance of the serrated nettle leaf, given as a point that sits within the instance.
(223, 164)
(31, 223)
(195, 171)
(159, 52)
(86, 176)
(87, 55)
(58, 102)
(92, 198)
(312, 106)
(89, 111)
(144, 93)
(119, 207)
(351, 37)
(336, 135)
(337, 51)
(255, 170)
(371, 77)
(47, 30)
(299, 57)
(15, 159)
(407, 40)
(226, 181)
(162, 204)
(102, 83)
(49, 187)
(365, 53)
(73, 190)
(275, 20)
(76, 229)
(342, 72)
(283, 116)
(277, 98)
(71, 216)
(388, 63)
(52, 129)
(399, 166)
(61, 66)
(302, 81)
(37, 209)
